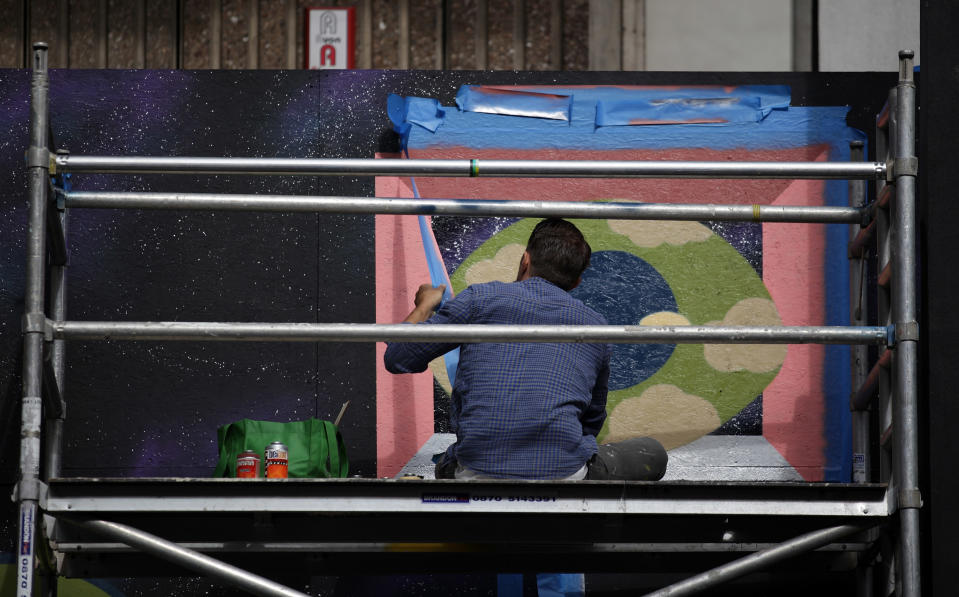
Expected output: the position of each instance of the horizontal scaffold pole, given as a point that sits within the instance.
(368, 332)
(473, 168)
(466, 207)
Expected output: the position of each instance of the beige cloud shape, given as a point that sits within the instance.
(651, 234)
(502, 267)
(438, 367)
(664, 412)
(664, 318)
(756, 358)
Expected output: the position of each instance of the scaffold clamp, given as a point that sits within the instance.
(34, 323)
(39, 157)
(34, 490)
(907, 332)
(904, 167)
(910, 498)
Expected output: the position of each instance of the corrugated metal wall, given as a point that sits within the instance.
(269, 34)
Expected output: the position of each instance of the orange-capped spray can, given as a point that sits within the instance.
(247, 465)
(277, 461)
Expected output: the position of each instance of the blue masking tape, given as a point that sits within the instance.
(740, 104)
(407, 111)
(438, 277)
(502, 100)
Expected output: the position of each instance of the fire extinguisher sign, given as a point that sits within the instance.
(330, 38)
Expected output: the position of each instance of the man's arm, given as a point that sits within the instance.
(595, 414)
(414, 357)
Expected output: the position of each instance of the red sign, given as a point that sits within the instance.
(330, 38)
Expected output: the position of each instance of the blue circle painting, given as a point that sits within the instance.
(625, 289)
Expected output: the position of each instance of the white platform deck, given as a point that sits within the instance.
(710, 458)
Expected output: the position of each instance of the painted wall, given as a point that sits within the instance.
(658, 272)
(152, 410)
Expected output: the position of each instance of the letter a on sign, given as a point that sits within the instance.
(330, 38)
(328, 56)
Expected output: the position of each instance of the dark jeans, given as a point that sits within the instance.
(635, 459)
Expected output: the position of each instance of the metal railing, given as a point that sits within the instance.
(900, 334)
(822, 214)
(466, 168)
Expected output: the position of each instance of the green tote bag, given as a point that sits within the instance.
(316, 447)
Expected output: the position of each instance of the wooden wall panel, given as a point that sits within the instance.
(538, 35)
(235, 34)
(161, 34)
(195, 41)
(301, 6)
(500, 52)
(292, 33)
(11, 34)
(460, 34)
(43, 26)
(426, 30)
(364, 33)
(84, 34)
(386, 34)
(403, 32)
(124, 36)
(253, 34)
(270, 34)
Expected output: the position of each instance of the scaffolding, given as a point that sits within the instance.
(131, 526)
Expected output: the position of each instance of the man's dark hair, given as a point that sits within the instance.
(558, 252)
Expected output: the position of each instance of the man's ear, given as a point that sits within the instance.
(578, 280)
(523, 272)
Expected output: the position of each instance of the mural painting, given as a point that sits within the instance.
(657, 273)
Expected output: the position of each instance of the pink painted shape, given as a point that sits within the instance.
(793, 258)
(404, 404)
(586, 189)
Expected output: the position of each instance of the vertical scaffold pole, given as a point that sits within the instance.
(857, 316)
(885, 151)
(905, 317)
(38, 166)
(54, 417)
(53, 426)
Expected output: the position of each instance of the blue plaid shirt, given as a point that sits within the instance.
(523, 411)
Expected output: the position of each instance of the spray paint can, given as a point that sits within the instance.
(277, 461)
(247, 465)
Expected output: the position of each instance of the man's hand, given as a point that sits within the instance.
(427, 300)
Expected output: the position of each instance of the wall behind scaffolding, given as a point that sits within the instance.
(142, 409)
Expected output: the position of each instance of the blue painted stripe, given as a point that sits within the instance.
(782, 129)
(438, 277)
